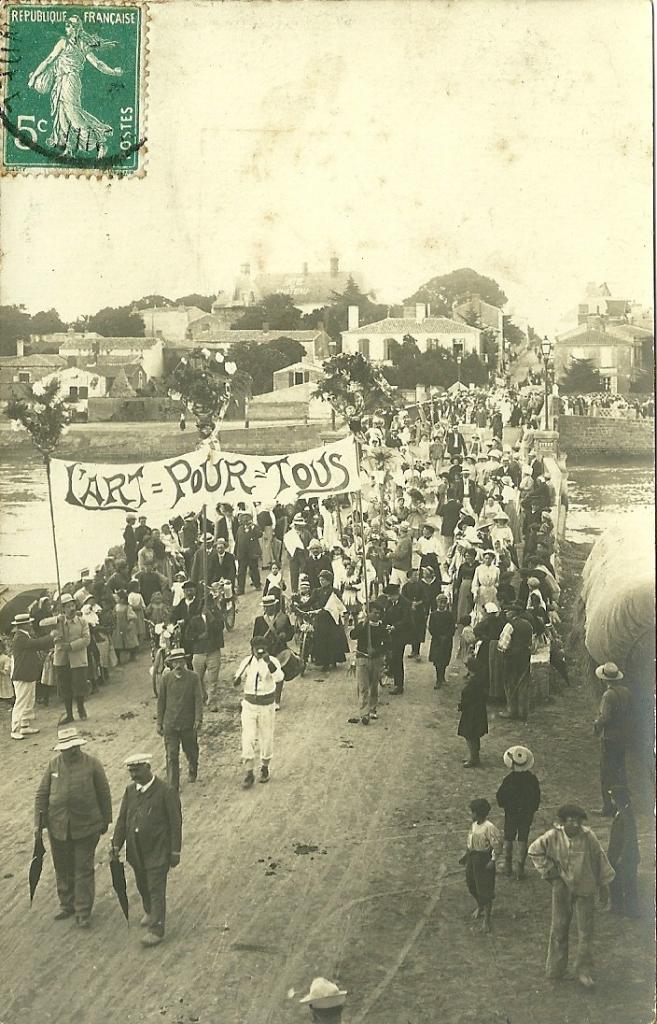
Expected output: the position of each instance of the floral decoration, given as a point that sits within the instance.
(42, 413)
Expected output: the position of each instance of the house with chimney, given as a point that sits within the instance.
(620, 352)
(18, 372)
(169, 323)
(93, 351)
(374, 341)
(310, 289)
(206, 333)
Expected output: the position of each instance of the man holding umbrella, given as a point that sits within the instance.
(74, 803)
(150, 825)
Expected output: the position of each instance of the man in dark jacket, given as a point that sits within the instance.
(418, 595)
(184, 612)
(25, 673)
(221, 564)
(150, 825)
(515, 644)
(612, 725)
(247, 552)
(74, 803)
(205, 634)
(130, 542)
(226, 526)
(398, 616)
(180, 716)
(189, 539)
(623, 855)
(455, 442)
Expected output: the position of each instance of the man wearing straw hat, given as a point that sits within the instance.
(73, 801)
(150, 825)
(72, 637)
(612, 725)
(325, 1001)
(26, 667)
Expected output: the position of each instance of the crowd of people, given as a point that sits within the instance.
(453, 541)
(613, 406)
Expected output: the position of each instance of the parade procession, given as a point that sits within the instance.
(327, 530)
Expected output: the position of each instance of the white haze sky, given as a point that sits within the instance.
(408, 137)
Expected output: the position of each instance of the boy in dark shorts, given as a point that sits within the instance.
(519, 796)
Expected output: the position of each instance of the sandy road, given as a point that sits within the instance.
(344, 865)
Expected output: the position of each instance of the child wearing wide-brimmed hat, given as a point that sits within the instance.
(519, 796)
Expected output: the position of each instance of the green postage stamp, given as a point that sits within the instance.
(73, 88)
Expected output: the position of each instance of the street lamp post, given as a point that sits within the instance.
(459, 360)
(546, 351)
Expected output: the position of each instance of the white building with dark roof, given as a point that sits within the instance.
(374, 341)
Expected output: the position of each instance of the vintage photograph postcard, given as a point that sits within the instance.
(327, 531)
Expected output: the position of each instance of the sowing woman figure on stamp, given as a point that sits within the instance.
(73, 128)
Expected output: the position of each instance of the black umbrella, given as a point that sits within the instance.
(117, 872)
(36, 864)
(18, 605)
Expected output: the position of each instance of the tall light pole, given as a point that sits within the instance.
(546, 352)
(459, 360)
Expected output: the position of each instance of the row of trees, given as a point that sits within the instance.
(277, 311)
(437, 367)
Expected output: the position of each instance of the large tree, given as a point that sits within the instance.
(444, 291)
(581, 377)
(15, 323)
(260, 360)
(116, 322)
(334, 316)
(203, 302)
(148, 301)
(277, 311)
(47, 322)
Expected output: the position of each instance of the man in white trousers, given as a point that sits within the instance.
(26, 666)
(258, 674)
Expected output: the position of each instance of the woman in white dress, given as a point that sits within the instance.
(73, 127)
(484, 585)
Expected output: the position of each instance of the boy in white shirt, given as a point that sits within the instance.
(484, 843)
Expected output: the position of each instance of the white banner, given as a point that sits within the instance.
(171, 487)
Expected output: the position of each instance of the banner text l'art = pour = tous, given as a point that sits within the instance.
(172, 486)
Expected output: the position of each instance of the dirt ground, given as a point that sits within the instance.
(345, 865)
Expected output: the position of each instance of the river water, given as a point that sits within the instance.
(600, 494)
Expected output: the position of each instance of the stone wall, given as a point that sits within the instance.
(137, 442)
(598, 435)
(132, 410)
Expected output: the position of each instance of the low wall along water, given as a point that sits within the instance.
(601, 435)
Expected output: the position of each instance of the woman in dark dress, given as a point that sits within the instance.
(473, 723)
(330, 644)
(488, 658)
(441, 630)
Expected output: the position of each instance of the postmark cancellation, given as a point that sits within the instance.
(74, 88)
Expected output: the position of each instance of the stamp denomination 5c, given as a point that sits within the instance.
(73, 88)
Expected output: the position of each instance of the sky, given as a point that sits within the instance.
(408, 138)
